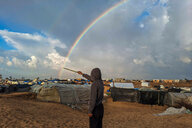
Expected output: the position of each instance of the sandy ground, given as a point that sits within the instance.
(20, 110)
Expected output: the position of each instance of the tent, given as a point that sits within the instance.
(151, 97)
(124, 94)
(122, 85)
(74, 94)
(49, 95)
(144, 96)
(36, 88)
(9, 88)
(2, 88)
(63, 93)
(144, 84)
(174, 99)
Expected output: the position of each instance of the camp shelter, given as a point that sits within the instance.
(10, 88)
(174, 89)
(151, 97)
(188, 102)
(175, 99)
(162, 87)
(122, 85)
(2, 88)
(124, 94)
(185, 89)
(63, 93)
(74, 94)
(22, 87)
(145, 84)
(36, 88)
(26, 89)
(49, 95)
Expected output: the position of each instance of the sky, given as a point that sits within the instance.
(141, 39)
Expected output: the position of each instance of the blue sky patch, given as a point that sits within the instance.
(15, 27)
(4, 45)
(156, 3)
(142, 16)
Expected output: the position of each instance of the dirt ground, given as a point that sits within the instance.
(20, 110)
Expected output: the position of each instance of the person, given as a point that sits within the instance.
(96, 109)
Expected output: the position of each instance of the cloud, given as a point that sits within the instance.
(144, 60)
(136, 61)
(32, 63)
(31, 44)
(17, 62)
(157, 45)
(54, 19)
(141, 25)
(186, 60)
(34, 52)
(189, 47)
(119, 46)
(9, 63)
(1, 59)
(55, 61)
(165, 18)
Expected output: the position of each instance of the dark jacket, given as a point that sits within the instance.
(97, 88)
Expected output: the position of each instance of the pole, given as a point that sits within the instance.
(70, 70)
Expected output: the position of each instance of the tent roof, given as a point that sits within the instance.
(122, 85)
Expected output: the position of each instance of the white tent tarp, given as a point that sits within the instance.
(172, 111)
(122, 85)
(144, 84)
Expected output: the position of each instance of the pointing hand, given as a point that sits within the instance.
(90, 115)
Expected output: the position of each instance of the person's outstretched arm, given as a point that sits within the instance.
(85, 75)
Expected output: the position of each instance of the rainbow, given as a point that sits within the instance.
(78, 39)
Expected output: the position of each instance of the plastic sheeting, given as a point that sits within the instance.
(67, 94)
(189, 100)
(26, 89)
(175, 99)
(9, 88)
(73, 94)
(123, 94)
(2, 88)
(23, 86)
(122, 85)
(172, 111)
(152, 97)
(36, 88)
(49, 95)
(144, 84)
